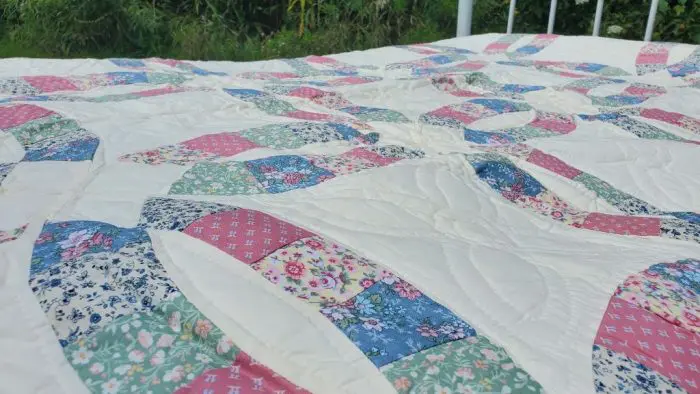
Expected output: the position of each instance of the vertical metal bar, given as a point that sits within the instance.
(464, 18)
(598, 18)
(511, 17)
(650, 22)
(552, 16)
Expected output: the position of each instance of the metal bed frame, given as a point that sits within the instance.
(464, 18)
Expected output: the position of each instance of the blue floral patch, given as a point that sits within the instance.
(485, 137)
(127, 77)
(589, 67)
(76, 150)
(514, 88)
(244, 93)
(173, 214)
(528, 49)
(128, 62)
(506, 177)
(279, 174)
(501, 106)
(392, 319)
(688, 216)
(66, 241)
(5, 169)
(441, 59)
(105, 273)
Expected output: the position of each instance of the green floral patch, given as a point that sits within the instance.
(163, 78)
(527, 132)
(465, 366)
(153, 352)
(615, 197)
(223, 179)
(276, 136)
(44, 128)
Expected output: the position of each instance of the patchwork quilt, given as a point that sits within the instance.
(496, 213)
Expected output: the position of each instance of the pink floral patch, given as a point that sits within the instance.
(553, 164)
(244, 376)
(50, 83)
(245, 234)
(298, 114)
(370, 156)
(15, 115)
(222, 144)
(623, 225)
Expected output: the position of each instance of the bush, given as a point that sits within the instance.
(259, 29)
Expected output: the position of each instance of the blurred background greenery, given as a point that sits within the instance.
(263, 29)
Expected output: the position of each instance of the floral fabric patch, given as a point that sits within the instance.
(279, 174)
(615, 373)
(392, 319)
(317, 271)
(154, 351)
(669, 290)
(5, 169)
(12, 235)
(470, 365)
(82, 295)
(65, 241)
(226, 179)
(15, 115)
(171, 214)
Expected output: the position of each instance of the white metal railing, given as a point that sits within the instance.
(464, 18)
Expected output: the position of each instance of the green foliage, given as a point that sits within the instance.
(262, 29)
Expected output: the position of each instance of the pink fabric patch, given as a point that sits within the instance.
(639, 91)
(244, 376)
(650, 340)
(553, 164)
(298, 114)
(471, 65)
(168, 62)
(16, 115)
(371, 156)
(465, 93)
(307, 92)
(159, 92)
(497, 47)
(222, 144)
(50, 83)
(245, 234)
(580, 90)
(448, 112)
(571, 75)
(674, 118)
(554, 123)
(349, 81)
(623, 225)
(284, 75)
(320, 59)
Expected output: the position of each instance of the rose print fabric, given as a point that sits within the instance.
(318, 271)
(652, 57)
(469, 365)
(479, 84)
(648, 337)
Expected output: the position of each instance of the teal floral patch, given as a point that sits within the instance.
(223, 179)
(275, 136)
(471, 365)
(153, 352)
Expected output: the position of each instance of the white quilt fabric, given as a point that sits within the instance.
(489, 204)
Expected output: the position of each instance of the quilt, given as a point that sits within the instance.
(495, 213)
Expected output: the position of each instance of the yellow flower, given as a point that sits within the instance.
(185, 337)
(188, 368)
